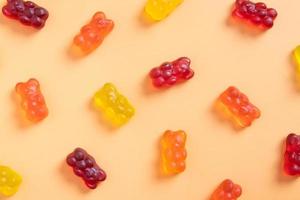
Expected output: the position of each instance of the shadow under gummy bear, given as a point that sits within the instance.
(145, 19)
(72, 179)
(17, 27)
(149, 89)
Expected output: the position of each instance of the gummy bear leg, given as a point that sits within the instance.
(227, 114)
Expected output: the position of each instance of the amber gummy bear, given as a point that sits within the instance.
(236, 106)
(227, 190)
(93, 34)
(32, 100)
(292, 155)
(173, 152)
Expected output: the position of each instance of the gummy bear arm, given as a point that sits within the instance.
(98, 15)
(33, 82)
(79, 40)
(19, 88)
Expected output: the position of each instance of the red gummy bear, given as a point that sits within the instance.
(32, 100)
(27, 12)
(227, 191)
(170, 73)
(292, 155)
(85, 166)
(257, 13)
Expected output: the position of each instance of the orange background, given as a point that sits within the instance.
(222, 54)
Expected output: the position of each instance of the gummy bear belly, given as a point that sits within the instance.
(228, 114)
(7, 190)
(291, 168)
(109, 113)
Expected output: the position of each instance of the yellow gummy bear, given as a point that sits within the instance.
(114, 105)
(9, 181)
(160, 9)
(297, 59)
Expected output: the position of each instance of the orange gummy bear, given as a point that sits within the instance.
(236, 106)
(173, 152)
(32, 100)
(92, 34)
(227, 190)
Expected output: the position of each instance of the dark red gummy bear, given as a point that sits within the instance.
(257, 13)
(292, 155)
(26, 12)
(85, 166)
(170, 73)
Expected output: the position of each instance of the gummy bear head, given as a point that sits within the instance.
(31, 86)
(293, 142)
(176, 138)
(101, 22)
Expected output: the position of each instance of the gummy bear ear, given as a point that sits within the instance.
(237, 191)
(99, 15)
(227, 185)
(33, 82)
(19, 87)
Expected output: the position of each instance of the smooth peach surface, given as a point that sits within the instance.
(223, 53)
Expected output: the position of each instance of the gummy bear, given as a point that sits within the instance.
(115, 106)
(173, 152)
(257, 13)
(169, 73)
(9, 181)
(236, 106)
(92, 34)
(227, 191)
(27, 12)
(160, 9)
(292, 155)
(32, 100)
(85, 166)
(297, 59)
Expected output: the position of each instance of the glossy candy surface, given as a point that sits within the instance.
(236, 106)
(170, 73)
(32, 100)
(292, 155)
(115, 106)
(173, 152)
(160, 9)
(297, 59)
(9, 181)
(27, 12)
(85, 166)
(257, 13)
(227, 190)
(92, 34)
